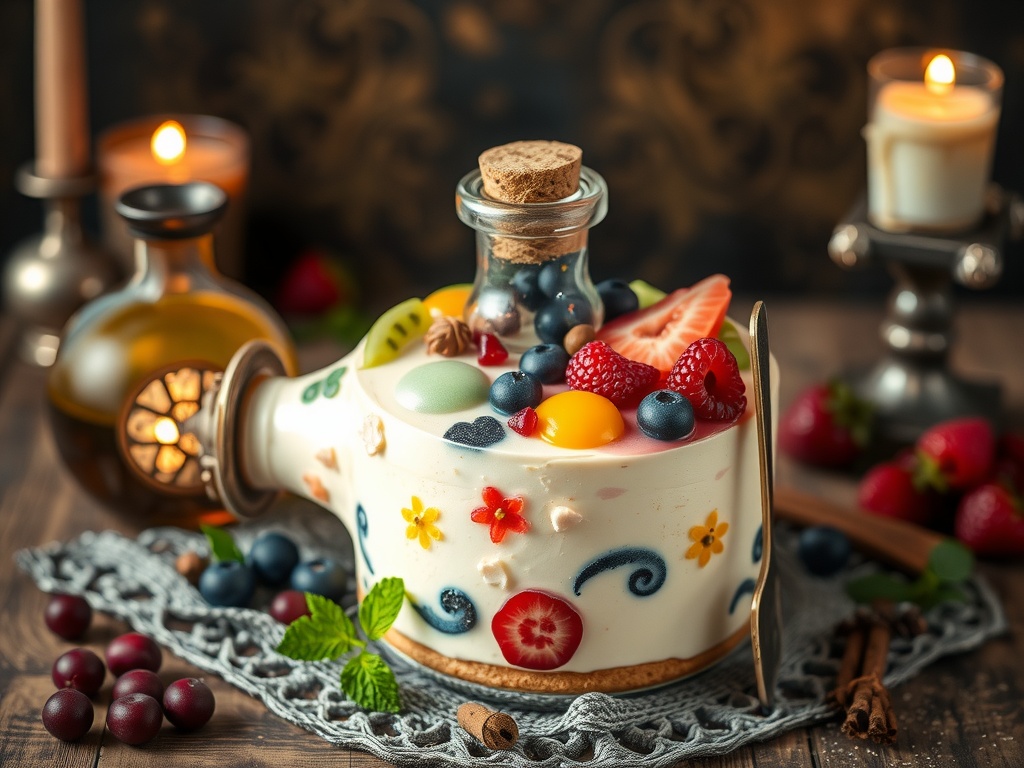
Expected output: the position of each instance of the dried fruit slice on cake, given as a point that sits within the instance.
(659, 334)
(537, 630)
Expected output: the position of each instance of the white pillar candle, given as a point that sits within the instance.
(930, 140)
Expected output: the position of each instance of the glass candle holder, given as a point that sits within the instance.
(532, 277)
(210, 149)
(932, 118)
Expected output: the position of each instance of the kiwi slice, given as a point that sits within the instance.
(646, 293)
(394, 330)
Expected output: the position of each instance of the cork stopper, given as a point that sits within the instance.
(532, 172)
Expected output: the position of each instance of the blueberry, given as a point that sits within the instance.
(665, 415)
(545, 361)
(272, 557)
(227, 583)
(556, 317)
(618, 298)
(555, 277)
(515, 390)
(323, 576)
(823, 550)
(528, 293)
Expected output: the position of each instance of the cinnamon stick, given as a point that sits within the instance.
(870, 713)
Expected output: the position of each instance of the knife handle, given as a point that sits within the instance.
(896, 542)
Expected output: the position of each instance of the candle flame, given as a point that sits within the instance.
(940, 75)
(168, 144)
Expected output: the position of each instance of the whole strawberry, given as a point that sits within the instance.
(888, 490)
(990, 520)
(826, 425)
(598, 368)
(707, 375)
(313, 284)
(955, 455)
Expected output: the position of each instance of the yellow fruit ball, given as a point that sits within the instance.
(579, 420)
(449, 301)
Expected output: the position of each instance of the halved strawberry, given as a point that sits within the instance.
(537, 630)
(659, 334)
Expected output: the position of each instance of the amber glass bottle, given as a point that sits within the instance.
(131, 449)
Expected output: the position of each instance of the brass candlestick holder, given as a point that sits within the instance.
(912, 387)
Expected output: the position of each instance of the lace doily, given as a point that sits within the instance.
(712, 713)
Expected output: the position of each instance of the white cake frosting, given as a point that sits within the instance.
(600, 520)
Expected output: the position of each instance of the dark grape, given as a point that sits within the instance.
(135, 718)
(80, 669)
(188, 703)
(68, 616)
(68, 714)
(133, 651)
(138, 681)
(289, 605)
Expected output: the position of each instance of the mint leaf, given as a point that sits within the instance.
(370, 683)
(222, 546)
(951, 562)
(325, 634)
(380, 607)
(729, 336)
(880, 586)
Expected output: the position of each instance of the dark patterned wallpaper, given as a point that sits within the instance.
(728, 130)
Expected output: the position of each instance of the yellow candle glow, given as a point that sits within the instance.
(175, 150)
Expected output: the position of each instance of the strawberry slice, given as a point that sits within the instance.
(659, 334)
(536, 630)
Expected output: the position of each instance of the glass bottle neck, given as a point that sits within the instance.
(178, 266)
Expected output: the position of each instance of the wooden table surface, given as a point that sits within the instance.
(966, 710)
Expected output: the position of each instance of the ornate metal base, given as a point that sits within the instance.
(912, 387)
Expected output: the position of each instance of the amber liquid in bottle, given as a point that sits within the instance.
(87, 396)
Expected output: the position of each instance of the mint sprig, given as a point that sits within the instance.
(222, 546)
(327, 633)
(949, 565)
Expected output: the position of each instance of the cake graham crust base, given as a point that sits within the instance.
(612, 680)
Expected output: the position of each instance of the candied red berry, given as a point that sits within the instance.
(135, 718)
(598, 368)
(67, 714)
(133, 651)
(708, 376)
(80, 669)
(288, 606)
(524, 422)
(491, 350)
(68, 616)
(188, 703)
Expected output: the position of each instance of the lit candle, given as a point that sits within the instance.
(930, 139)
(176, 150)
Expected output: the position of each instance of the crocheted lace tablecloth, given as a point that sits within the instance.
(712, 713)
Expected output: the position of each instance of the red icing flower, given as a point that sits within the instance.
(503, 515)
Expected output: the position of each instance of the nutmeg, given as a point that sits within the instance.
(577, 337)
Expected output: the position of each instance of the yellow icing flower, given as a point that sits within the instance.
(707, 539)
(421, 523)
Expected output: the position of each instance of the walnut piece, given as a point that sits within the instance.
(448, 336)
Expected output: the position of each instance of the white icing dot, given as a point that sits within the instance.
(372, 433)
(494, 572)
(564, 518)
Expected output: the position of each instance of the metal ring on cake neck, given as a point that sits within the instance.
(558, 218)
(217, 429)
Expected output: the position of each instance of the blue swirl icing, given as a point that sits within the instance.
(460, 609)
(363, 530)
(745, 588)
(646, 579)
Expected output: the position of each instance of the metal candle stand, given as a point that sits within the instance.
(51, 274)
(911, 387)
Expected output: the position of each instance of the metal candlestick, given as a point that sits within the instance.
(50, 275)
(912, 387)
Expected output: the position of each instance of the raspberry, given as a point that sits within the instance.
(599, 369)
(491, 350)
(707, 375)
